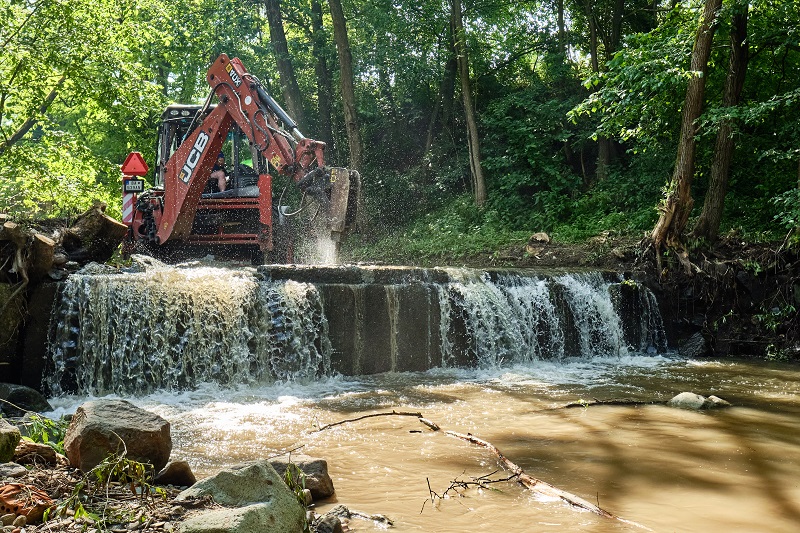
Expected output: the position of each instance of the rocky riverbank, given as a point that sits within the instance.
(104, 481)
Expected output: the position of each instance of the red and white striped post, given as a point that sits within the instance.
(128, 201)
(133, 166)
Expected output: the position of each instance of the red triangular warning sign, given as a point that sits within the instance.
(134, 165)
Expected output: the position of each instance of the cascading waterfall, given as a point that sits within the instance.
(174, 327)
(169, 328)
(510, 319)
(598, 325)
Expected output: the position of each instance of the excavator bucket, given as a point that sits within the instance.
(345, 185)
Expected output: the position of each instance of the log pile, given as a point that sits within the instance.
(28, 255)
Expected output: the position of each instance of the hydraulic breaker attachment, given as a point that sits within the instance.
(345, 186)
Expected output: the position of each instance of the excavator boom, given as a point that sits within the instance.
(170, 212)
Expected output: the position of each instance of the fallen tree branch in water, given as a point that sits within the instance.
(393, 413)
(481, 482)
(517, 473)
(430, 423)
(613, 401)
(539, 486)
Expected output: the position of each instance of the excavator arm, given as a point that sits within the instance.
(271, 133)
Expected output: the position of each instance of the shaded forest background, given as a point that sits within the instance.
(474, 123)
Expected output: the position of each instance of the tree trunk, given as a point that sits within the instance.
(32, 120)
(288, 81)
(323, 73)
(443, 112)
(677, 204)
(41, 255)
(603, 148)
(94, 236)
(707, 225)
(478, 183)
(562, 34)
(348, 92)
(616, 29)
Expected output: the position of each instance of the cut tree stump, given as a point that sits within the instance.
(40, 260)
(94, 236)
(13, 232)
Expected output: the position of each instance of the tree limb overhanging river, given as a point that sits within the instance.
(724, 470)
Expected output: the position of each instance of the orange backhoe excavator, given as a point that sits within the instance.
(263, 143)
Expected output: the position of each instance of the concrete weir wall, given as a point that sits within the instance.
(160, 327)
(410, 319)
(379, 319)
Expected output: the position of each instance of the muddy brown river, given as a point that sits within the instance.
(726, 470)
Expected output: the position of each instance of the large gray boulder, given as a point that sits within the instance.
(317, 479)
(241, 485)
(21, 399)
(262, 502)
(254, 518)
(9, 438)
(97, 427)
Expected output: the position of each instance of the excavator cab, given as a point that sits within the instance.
(229, 217)
(176, 122)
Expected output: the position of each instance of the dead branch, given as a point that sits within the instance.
(613, 401)
(530, 482)
(393, 413)
(481, 482)
(539, 486)
(431, 424)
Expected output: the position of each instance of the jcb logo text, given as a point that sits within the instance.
(194, 157)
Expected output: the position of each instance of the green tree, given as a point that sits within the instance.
(678, 200)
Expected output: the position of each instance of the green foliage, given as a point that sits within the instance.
(776, 317)
(639, 96)
(85, 500)
(54, 176)
(113, 65)
(46, 431)
(528, 174)
(296, 481)
(444, 235)
(788, 205)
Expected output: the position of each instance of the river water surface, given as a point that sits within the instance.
(727, 470)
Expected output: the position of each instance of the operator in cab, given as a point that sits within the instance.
(217, 180)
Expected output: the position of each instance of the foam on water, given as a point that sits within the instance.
(235, 403)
